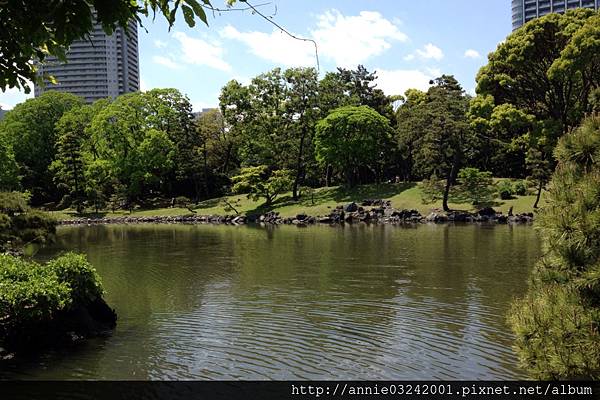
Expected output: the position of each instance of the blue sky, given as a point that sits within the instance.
(407, 42)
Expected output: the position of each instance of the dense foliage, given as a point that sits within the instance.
(537, 86)
(20, 225)
(558, 323)
(32, 294)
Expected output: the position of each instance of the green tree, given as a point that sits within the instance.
(548, 70)
(475, 186)
(503, 136)
(409, 121)
(273, 119)
(148, 141)
(302, 108)
(442, 139)
(30, 130)
(259, 182)
(351, 137)
(41, 28)
(72, 137)
(219, 150)
(557, 322)
(9, 176)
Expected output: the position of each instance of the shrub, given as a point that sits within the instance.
(432, 189)
(182, 201)
(557, 323)
(475, 186)
(519, 188)
(505, 190)
(19, 224)
(80, 275)
(31, 294)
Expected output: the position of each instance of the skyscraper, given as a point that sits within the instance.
(526, 10)
(99, 66)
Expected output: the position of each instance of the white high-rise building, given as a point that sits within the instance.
(524, 11)
(97, 67)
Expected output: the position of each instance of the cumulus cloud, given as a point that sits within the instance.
(394, 82)
(160, 44)
(351, 40)
(275, 46)
(200, 52)
(167, 62)
(474, 54)
(431, 51)
(346, 40)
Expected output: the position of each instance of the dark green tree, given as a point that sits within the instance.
(30, 130)
(351, 137)
(442, 139)
(72, 137)
(9, 175)
(548, 70)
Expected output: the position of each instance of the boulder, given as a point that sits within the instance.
(351, 207)
(487, 211)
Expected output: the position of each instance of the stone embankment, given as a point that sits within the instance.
(369, 211)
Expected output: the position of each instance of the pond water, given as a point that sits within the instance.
(358, 302)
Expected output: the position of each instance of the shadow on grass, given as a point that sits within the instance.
(338, 195)
(210, 203)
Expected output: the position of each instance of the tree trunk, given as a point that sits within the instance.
(449, 179)
(539, 194)
(299, 164)
(328, 174)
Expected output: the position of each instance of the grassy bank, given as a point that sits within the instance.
(322, 201)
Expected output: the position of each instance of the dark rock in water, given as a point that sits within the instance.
(487, 211)
(502, 219)
(352, 207)
(301, 217)
(66, 327)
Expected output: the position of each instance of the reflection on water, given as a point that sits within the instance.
(360, 302)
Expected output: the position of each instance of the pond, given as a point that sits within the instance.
(354, 302)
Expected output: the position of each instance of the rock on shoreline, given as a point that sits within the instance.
(370, 211)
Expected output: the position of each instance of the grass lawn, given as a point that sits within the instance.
(402, 195)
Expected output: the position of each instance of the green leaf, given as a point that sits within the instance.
(198, 10)
(188, 14)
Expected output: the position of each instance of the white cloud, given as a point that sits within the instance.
(351, 40)
(200, 52)
(346, 40)
(394, 82)
(143, 85)
(409, 57)
(12, 97)
(160, 44)
(275, 46)
(431, 51)
(166, 62)
(474, 54)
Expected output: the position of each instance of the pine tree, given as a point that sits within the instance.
(557, 323)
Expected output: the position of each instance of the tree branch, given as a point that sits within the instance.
(270, 20)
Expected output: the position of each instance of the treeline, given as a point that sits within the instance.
(288, 129)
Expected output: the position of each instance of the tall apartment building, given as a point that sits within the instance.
(97, 67)
(525, 10)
